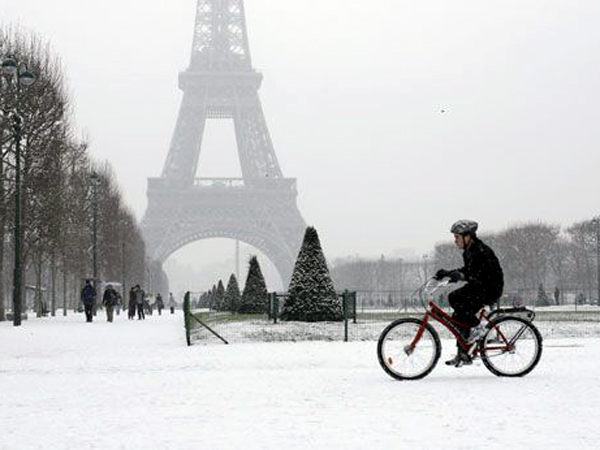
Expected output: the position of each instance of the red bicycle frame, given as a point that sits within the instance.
(453, 325)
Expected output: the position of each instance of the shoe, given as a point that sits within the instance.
(476, 333)
(461, 359)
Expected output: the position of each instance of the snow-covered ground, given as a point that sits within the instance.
(65, 383)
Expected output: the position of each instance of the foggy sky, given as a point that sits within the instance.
(396, 117)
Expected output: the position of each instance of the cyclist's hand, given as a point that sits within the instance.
(455, 276)
(441, 274)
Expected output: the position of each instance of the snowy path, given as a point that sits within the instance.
(68, 384)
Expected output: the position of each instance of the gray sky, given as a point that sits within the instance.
(353, 93)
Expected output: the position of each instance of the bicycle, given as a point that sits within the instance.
(409, 348)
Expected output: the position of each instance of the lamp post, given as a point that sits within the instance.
(95, 181)
(19, 76)
(596, 222)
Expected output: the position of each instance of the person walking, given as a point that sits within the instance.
(132, 304)
(172, 303)
(119, 303)
(139, 301)
(160, 305)
(148, 304)
(88, 297)
(109, 300)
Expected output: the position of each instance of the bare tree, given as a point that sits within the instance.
(56, 185)
(583, 238)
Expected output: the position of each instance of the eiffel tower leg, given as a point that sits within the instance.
(182, 161)
(257, 157)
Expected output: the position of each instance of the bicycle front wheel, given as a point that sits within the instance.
(408, 349)
(511, 348)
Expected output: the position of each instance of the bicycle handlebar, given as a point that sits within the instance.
(430, 287)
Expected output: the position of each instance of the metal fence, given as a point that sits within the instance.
(366, 314)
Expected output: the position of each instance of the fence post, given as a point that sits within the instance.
(353, 296)
(275, 307)
(186, 317)
(270, 308)
(345, 308)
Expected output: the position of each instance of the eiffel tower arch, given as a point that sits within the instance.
(260, 208)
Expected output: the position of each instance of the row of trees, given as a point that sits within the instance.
(253, 300)
(61, 186)
(532, 255)
(311, 296)
(540, 254)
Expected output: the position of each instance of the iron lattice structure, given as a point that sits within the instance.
(259, 208)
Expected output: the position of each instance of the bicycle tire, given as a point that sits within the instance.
(529, 342)
(392, 354)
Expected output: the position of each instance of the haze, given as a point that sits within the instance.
(396, 117)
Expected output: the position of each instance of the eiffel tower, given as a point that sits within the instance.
(259, 208)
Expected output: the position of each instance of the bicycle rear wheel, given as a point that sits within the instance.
(511, 348)
(404, 357)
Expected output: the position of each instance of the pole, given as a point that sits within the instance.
(123, 273)
(65, 289)
(597, 220)
(17, 275)
(95, 233)
(345, 310)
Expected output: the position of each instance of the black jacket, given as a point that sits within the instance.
(482, 270)
(110, 297)
(88, 294)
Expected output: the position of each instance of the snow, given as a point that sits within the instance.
(69, 384)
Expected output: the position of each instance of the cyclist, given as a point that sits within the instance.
(485, 281)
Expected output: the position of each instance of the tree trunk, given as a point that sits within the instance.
(588, 270)
(76, 299)
(53, 283)
(2, 229)
(38, 286)
(65, 288)
(2, 307)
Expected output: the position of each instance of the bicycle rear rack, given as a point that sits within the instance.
(517, 311)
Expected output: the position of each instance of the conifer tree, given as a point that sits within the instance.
(311, 295)
(204, 301)
(255, 298)
(220, 297)
(232, 295)
(213, 294)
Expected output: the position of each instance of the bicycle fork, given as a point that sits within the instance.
(410, 348)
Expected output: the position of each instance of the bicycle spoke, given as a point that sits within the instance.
(517, 352)
(408, 349)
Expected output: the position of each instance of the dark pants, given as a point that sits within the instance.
(465, 302)
(89, 311)
(109, 313)
(140, 309)
(172, 310)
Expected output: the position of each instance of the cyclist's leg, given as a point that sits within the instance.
(465, 302)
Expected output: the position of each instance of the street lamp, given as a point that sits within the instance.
(596, 222)
(95, 182)
(18, 76)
